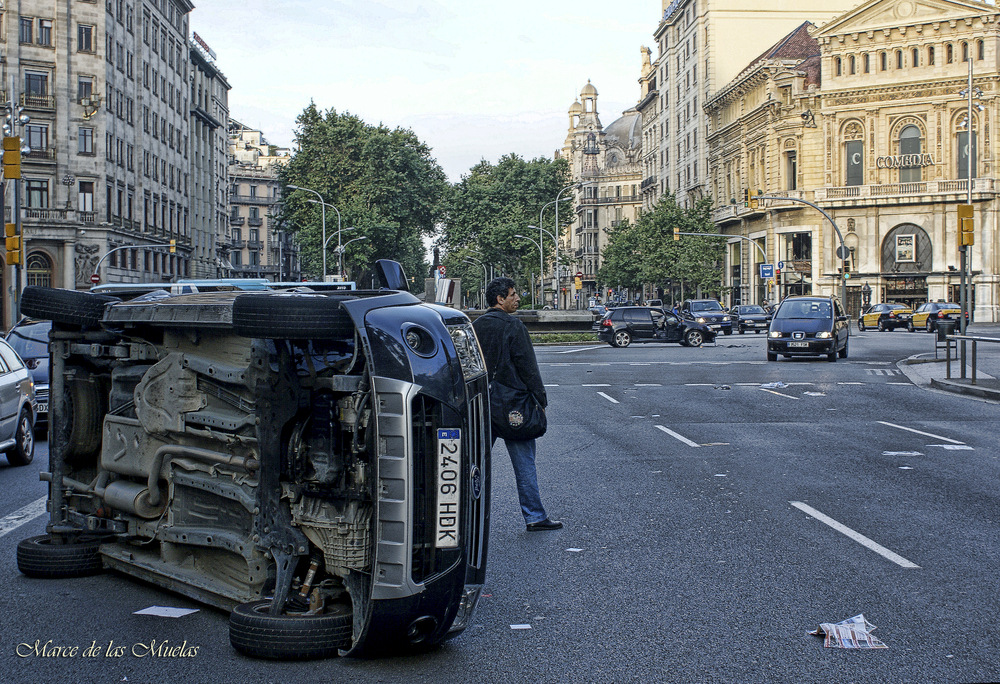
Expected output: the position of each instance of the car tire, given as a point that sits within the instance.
(622, 339)
(861, 325)
(291, 317)
(772, 356)
(84, 411)
(881, 326)
(256, 633)
(909, 326)
(39, 557)
(23, 450)
(68, 307)
(832, 356)
(843, 352)
(930, 325)
(694, 338)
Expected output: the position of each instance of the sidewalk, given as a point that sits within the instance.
(926, 371)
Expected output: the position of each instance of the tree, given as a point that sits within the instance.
(384, 183)
(492, 204)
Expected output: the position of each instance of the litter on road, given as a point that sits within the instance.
(520, 626)
(853, 632)
(773, 385)
(166, 611)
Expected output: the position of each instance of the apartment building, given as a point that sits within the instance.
(255, 249)
(105, 87)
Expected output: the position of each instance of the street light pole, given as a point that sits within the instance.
(325, 239)
(539, 246)
(322, 205)
(343, 248)
(470, 260)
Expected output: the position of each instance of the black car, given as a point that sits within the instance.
(750, 317)
(808, 326)
(709, 312)
(30, 339)
(886, 317)
(627, 324)
(317, 463)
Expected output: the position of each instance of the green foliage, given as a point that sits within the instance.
(492, 204)
(647, 252)
(384, 183)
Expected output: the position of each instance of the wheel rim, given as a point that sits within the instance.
(861, 326)
(695, 338)
(27, 437)
(930, 327)
(881, 326)
(622, 339)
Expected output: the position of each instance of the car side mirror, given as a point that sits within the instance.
(841, 318)
(390, 274)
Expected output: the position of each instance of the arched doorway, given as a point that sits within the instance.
(907, 260)
(39, 269)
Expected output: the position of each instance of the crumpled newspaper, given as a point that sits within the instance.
(853, 632)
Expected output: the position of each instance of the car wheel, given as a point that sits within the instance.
(84, 411)
(861, 325)
(24, 441)
(69, 307)
(930, 325)
(881, 326)
(742, 331)
(253, 631)
(832, 356)
(909, 326)
(622, 339)
(772, 356)
(843, 352)
(40, 557)
(694, 338)
(291, 317)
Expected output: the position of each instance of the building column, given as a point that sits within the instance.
(69, 265)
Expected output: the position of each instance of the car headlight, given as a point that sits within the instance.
(774, 333)
(467, 348)
(725, 318)
(702, 319)
(825, 335)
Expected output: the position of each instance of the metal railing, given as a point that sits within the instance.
(975, 339)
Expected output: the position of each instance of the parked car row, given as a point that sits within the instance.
(885, 317)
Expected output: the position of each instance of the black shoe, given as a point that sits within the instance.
(546, 524)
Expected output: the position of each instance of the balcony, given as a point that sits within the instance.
(905, 193)
(255, 222)
(33, 101)
(238, 244)
(649, 182)
(617, 199)
(256, 245)
(236, 220)
(248, 199)
(44, 155)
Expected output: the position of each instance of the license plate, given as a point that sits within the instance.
(449, 470)
(799, 345)
(715, 326)
(760, 324)
(43, 408)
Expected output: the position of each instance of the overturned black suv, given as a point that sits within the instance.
(316, 463)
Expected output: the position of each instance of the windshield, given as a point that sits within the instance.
(804, 309)
(30, 341)
(949, 305)
(752, 310)
(705, 306)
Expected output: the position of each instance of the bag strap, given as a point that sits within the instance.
(504, 350)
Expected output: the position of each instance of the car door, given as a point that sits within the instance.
(840, 327)
(673, 329)
(9, 400)
(640, 323)
(919, 319)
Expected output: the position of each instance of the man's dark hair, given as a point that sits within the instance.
(498, 287)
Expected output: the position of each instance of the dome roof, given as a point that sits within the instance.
(625, 132)
(576, 108)
(588, 90)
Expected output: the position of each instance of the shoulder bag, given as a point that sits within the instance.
(514, 411)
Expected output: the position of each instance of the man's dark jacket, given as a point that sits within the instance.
(520, 367)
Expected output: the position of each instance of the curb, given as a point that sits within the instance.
(962, 388)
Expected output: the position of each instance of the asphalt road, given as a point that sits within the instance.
(695, 547)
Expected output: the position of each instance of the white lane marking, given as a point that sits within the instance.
(850, 383)
(856, 536)
(787, 396)
(552, 385)
(919, 432)
(611, 399)
(598, 384)
(908, 384)
(901, 453)
(953, 447)
(22, 516)
(574, 351)
(648, 384)
(676, 436)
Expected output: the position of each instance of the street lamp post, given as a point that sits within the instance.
(539, 246)
(469, 260)
(323, 205)
(340, 258)
(343, 248)
(555, 276)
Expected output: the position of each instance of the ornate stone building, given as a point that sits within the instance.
(888, 158)
(607, 163)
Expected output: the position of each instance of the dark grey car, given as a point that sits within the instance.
(17, 414)
(808, 326)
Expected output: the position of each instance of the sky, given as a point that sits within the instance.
(473, 79)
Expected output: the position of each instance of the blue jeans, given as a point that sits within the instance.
(522, 457)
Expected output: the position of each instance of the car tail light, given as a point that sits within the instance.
(940, 315)
(607, 323)
(892, 315)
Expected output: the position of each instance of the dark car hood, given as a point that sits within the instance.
(754, 317)
(806, 325)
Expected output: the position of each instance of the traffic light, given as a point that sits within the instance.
(966, 234)
(173, 246)
(12, 157)
(677, 233)
(13, 245)
(753, 201)
(746, 197)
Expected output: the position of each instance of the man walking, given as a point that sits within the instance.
(499, 332)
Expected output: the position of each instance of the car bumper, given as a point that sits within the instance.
(811, 348)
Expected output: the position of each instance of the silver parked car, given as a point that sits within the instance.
(17, 413)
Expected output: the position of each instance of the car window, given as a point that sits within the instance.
(671, 320)
(751, 310)
(705, 306)
(10, 357)
(950, 305)
(804, 309)
(657, 317)
(30, 341)
(637, 316)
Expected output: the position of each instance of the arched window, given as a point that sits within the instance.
(899, 59)
(852, 67)
(883, 61)
(965, 52)
(909, 143)
(868, 63)
(949, 53)
(914, 57)
(837, 66)
(39, 270)
(930, 56)
(980, 50)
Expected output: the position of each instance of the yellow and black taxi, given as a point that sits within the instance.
(885, 317)
(928, 315)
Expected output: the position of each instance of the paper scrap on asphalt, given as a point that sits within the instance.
(901, 453)
(773, 385)
(815, 394)
(723, 387)
(520, 626)
(166, 611)
(853, 632)
(574, 550)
